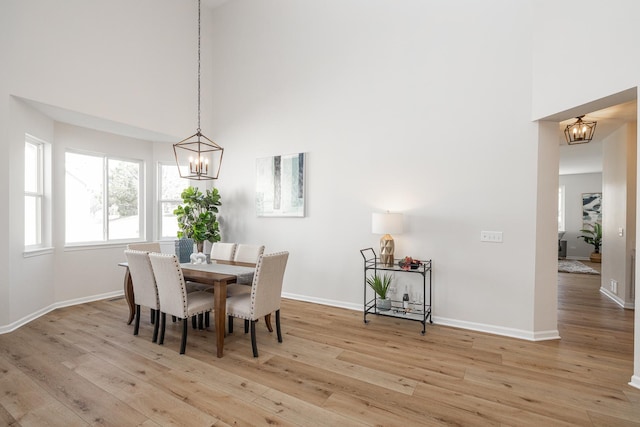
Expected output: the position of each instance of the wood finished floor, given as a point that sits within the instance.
(82, 366)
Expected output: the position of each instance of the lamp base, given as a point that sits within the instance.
(387, 246)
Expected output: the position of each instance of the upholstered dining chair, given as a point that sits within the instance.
(173, 296)
(244, 255)
(223, 251)
(247, 254)
(144, 287)
(264, 298)
(146, 246)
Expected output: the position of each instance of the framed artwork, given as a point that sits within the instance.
(591, 208)
(280, 186)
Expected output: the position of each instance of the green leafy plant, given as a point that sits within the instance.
(197, 215)
(592, 236)
(380, 285)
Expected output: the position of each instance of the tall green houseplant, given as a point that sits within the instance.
(593, 236)
(197, 218)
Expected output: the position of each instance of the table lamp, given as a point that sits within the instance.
(386, 224)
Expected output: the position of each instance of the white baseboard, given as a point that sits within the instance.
(635, 381)
(323, 301)
(496, 330)
(499, 330)
(20, 322)
(615, 298)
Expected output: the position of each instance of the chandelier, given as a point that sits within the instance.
(579, 132)
(198, 157)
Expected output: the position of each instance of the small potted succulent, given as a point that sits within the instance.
(380, 285)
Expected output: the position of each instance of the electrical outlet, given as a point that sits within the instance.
(491, 236)
(614, 286)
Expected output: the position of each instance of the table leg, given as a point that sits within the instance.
(220, 314)
(128, 295)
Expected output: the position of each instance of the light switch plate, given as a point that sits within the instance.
(491, 236)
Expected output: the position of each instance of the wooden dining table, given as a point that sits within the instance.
(219, 275)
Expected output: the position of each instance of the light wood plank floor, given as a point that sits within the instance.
(82, 366)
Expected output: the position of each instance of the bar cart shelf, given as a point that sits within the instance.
(416, 311)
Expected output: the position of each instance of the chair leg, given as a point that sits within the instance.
(136, 326)
(246, 326)
(152, 314)
(163, 321)
(194, 322)
(201, 321)
(278, 325)
(230, 319)
(174, 319)
(254, 344)
(156, 327)
(206, 320)
(267, 321)
(183, 344)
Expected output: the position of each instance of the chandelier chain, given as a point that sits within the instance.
(199, 1)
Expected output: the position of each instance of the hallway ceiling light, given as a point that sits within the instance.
(198, 157)
(579, 132)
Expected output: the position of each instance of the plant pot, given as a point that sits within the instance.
(383, 304)
(595, 257)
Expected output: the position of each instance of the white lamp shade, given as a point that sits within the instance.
(386, 223)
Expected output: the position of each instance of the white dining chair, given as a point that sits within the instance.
(145, 246)
(223, 251)
(144, 287)
(247, 254)
(173, 296)
(264, 298)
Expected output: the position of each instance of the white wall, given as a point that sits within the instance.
(126, 65)
(414, 107)
(609, 66)
(575, 185)
(619, 213)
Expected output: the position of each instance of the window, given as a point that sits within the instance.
(103, 198)
(34, 203)
(561, 208)
(170, 186)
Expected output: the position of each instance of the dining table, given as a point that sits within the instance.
(217, 274)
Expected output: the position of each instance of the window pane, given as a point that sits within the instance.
(32, 235)
(169, 223)
(124, 218)
(171, 185)
(84, 198)
(31, 167)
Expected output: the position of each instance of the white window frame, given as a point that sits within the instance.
(561, 208)
(41, 194)
(105, 199)
(161, 200)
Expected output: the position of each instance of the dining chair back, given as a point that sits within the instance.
(144, 287)
(146, 246)
(248, 254)
(173, 296)
(264, 298)
(223, 251)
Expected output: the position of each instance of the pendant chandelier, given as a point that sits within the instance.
(579, 132)
(198, 157)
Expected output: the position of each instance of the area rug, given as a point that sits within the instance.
(572, 266)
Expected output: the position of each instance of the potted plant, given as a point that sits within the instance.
(593, 236)
(197, 216)
(380, 286)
